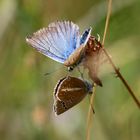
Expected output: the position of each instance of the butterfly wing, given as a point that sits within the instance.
(57, 41)
(60, 107)
(68, 92)
(71, 88)
(76, 57)
(85, 36)
(36, 43)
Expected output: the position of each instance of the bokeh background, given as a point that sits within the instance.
(26, 95)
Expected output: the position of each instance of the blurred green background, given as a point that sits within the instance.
(26, 95)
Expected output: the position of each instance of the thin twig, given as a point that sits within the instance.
(107, 20)
(110, 60)
(92, 97)
(119, 75)
(90, 111)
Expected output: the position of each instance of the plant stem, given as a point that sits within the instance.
(110, 60)
(107, 20)
(119, 75)
(90, 111)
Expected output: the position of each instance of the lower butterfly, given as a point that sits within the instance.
(68, 92)
(61, 41)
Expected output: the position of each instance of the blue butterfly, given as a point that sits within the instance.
(61, 41)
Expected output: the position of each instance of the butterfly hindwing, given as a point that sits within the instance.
(61, 106)
(69, 91)
(85, 36)
(71, 88)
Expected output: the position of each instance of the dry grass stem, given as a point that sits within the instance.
(89, 117)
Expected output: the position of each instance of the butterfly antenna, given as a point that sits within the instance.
(81, 73)
(107, 20)
(55, 70)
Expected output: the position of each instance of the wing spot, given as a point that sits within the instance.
(64, 105)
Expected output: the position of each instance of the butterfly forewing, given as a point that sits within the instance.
(59, 39)
(36, 44)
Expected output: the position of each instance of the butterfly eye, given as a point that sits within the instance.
(70, 69)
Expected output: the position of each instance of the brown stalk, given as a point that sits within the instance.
(90, 111)
(93, 95)
(119, 75)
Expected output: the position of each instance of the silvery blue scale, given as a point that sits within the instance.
(59, 40)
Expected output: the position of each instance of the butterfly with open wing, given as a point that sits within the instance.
(62, 42)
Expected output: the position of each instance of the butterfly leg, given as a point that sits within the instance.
(81, 73)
